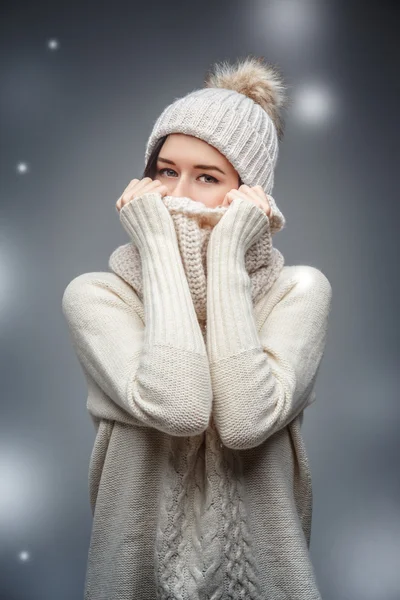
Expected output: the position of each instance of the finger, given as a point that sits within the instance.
(262, 196)
(230, 196)
(125, 198)
(247, 190)
(260, 191)
(130, 185)
(134, 191)
(139, 185)
(252, 196)
(148, 185)
(256, 194)
(243, 193)
(226, 202)
(126, 191)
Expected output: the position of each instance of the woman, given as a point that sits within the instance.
(201, 352)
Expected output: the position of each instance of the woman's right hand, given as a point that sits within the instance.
(138, 187)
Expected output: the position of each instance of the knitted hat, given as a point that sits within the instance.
(239, 113)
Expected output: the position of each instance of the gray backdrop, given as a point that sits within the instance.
(81, 86)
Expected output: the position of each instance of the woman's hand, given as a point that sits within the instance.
(247, 222)
(139, 187)
(253, 194)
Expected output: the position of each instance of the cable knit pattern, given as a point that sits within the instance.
(241, 568)
(171, 538)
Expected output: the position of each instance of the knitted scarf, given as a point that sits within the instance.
(196, 551)
(193, 223)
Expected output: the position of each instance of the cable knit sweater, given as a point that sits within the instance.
(199, 481)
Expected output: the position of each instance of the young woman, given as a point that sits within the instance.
(201, 352)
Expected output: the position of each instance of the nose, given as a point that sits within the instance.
(181, 188)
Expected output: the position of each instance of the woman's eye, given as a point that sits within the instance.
(210, 176)
(214, 180)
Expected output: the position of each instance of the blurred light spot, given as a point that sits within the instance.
(293, 18)
(289, 24)
(24, 488)
(314, 104)
(22, 167)
(24, 556)
(53, 44)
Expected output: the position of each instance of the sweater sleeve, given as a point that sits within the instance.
(261, 380)
(158, 372)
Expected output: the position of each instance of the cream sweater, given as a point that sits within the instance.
(199, 481)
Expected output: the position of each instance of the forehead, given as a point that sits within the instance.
(182, 144)
(190, 149)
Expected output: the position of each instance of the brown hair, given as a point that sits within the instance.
(151, 166)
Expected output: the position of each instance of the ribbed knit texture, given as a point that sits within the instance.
(193, 223)
(165, 288)
(231, 122)
(223, 510)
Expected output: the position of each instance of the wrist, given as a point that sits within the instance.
(147, 216)
(242, 225)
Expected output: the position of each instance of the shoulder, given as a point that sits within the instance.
(306, 279)
(299, 290)
(87, 286)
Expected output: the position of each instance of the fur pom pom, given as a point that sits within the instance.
(259, 80)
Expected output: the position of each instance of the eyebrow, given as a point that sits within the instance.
(207, 167)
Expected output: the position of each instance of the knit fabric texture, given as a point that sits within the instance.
(231, 122)
(193, 222)
(186, 498)
(199, 481)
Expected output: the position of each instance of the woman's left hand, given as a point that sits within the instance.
(253, 194)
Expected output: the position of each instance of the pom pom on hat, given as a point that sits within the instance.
(238, 112)
(257, 79)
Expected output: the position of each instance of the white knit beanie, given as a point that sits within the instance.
(239, 113)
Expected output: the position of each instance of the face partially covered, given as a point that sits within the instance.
(192, 168)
